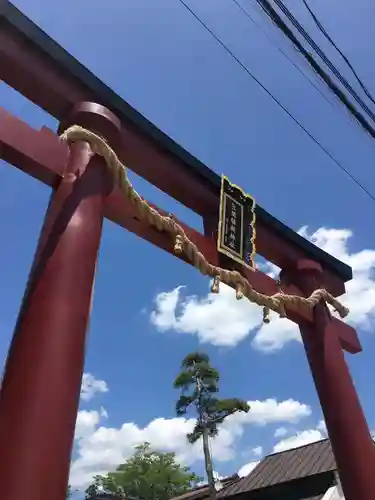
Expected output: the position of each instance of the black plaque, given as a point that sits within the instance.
(236, 235)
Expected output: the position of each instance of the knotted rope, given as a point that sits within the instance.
(277, 302)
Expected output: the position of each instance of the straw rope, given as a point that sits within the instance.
(277, 302)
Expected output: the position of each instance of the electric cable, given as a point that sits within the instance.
(325, 33)
(270, 11)
(286, 111)
(322, 55)
(250, 18)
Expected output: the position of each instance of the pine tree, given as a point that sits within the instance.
(199, 383)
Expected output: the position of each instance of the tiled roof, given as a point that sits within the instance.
(203, 491)
(200, 492)
(285, 466)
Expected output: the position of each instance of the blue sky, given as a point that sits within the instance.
(158, 58)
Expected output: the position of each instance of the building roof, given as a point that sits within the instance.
(308, 460)
(197, 493)
(203, 491)
(282, 470)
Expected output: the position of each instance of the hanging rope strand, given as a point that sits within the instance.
(277, 302)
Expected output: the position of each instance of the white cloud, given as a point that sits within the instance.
(103, 412)
(221, 320)
(101, 448)
(217, 476)
(300, 439)
(91, 386)
(247, 468)
(257, 451)
(280, 432)
(360, 292)
(271, 411)
(166, 303)
(86, 423)
(322, 427)
(273, 336)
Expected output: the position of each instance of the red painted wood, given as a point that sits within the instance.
(38, 78)
(120, 211)
(51, 89)
(41, 385)
(346, 424)
(50, 333)
(41, 154)
(38, 153)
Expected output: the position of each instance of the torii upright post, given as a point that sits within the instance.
(346, 424)
(41, 385)
(36, 426)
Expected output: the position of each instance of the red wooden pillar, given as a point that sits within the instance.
(41, 385)
(346, 424)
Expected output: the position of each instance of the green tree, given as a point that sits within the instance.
(199, 383)
(147, 475)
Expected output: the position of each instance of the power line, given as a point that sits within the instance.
(250, 18)
(323, 30)
(271, 12)
(247, 14)
(322, 55)
(302, 127)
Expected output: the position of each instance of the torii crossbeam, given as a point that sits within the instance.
(47, 351)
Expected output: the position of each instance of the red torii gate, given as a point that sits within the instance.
(41, 383)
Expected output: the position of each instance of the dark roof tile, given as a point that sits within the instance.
(201, 492)
(304, 461)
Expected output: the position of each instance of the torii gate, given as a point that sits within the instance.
(41, 383)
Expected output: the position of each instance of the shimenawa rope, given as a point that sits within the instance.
(277, 302)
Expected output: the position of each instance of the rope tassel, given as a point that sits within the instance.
(239, 291)
(178, 244)
(266, 315)
(215, 288)
(278, 302)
